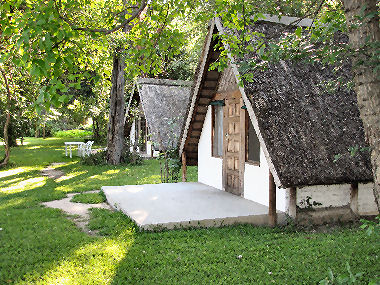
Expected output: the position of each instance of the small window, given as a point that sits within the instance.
(217, 131)
(253, 144)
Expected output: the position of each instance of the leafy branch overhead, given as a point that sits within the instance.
(59, 42)
(132, 11)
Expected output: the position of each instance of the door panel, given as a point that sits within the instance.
(233, 166)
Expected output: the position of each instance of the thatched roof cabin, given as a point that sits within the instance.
(164, 104)
(300, 125)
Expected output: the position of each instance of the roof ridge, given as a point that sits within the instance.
(167, 82)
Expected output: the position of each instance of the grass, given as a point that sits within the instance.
(39, 245)
(89, 198)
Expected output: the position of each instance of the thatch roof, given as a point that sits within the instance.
(164, 104)
(301, 126)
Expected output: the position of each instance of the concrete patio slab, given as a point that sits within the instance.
(185, 204)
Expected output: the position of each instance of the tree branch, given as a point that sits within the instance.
(135, 14)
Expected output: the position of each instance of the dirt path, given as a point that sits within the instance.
(51, 172)
(78, 212)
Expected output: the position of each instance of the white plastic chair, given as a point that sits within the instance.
(86, 149)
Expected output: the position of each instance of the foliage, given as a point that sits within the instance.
(23, 117)
(324, 42)
(89, 198)
(73, 134)
(58, 54)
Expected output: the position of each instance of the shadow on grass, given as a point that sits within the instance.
(40, 244)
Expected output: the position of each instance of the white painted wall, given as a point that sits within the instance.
(338, 195)
(256, 178)
(256, 184)
(328, 195)
(209, 168)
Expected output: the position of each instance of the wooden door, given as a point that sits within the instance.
(233, 145)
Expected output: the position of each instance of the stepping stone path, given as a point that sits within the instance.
(78, 212)
(51, 172)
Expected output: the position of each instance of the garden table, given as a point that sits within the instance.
(70, 144)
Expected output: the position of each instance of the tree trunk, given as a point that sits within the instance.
(4, 162)
(43, 131)
(367, 83)
(115, 134)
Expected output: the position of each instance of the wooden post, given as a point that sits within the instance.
(184, 170)
(292, 207)
(354, 198)
(272, 215)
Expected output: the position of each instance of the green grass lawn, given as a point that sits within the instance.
(39, 245)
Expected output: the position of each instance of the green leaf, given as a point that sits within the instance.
(40, 97)
(298, 32)
(337, 157)
(62, 98)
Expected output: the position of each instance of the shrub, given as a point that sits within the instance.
(100, 158)
(73, 134)
(131, 158)
(170, 165)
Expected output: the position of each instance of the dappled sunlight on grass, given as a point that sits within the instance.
(99, 177)
(23, 185)
(70, 176)
(13, 171)
(153, 179)
(14, 203)
(112, 171)
(106, 174)
(33, 147)
(93, 263)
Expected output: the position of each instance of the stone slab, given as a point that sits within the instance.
(185, 204)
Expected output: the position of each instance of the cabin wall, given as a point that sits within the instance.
(132, 136)
(256, 178)
(333, 203)
(209, 168)
(256, 184)
(337, 196)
